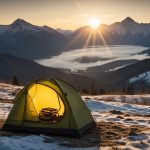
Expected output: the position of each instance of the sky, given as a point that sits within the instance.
(71, 14)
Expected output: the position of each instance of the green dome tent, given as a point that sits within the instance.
(49, 106)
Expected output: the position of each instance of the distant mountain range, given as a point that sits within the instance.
(126, 32)
(66, 33)
(25, 40)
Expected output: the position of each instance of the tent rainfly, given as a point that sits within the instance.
(49, 106)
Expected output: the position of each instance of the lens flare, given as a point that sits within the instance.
(94, 23)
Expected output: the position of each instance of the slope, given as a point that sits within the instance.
(27, 71)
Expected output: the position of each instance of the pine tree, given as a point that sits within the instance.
(130, 88)
(143, 89)
(93, 90)
(101, 91)
(123, 90)
(15, 81)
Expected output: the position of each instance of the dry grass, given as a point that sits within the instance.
(112, 132)
(105, 134)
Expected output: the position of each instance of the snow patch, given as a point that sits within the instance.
(116, 68)
(8, 91)
(144, 77)
(32, 142)
(4, 110)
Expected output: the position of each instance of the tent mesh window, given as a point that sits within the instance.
(45, 106)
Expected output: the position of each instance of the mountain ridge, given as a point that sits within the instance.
(117, 79)
(30, 41)
(128, 32)
(27, 70)
(23, 39)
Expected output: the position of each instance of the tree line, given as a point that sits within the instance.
(128, 88)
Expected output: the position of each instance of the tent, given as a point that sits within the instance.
(49, 106)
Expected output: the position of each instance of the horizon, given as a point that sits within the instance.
(72, 29)
(72, 14)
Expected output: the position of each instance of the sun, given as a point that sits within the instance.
(94, 23)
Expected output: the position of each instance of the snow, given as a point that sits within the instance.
(133, 99)
(123, 109)
(4, 110)
(129, 25)
(111, 52)
(32, 142)
(6, 91)
(103, 106)
(21, 25)
(128, 115)
(115, 68)
(101, 111)
(24, 28)
(144, 77)
(6, 94)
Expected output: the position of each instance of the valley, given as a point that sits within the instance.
(30, 52)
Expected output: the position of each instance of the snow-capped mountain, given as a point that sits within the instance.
(128, 25)
(19, 25)
(127, 32)
(30, 41)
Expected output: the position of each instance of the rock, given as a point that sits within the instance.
(120, 117)
(116, 112)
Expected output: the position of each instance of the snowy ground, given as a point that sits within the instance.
(123, 125)
(8, 91)
(120, 109)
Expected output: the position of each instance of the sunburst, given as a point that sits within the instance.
(94, 23)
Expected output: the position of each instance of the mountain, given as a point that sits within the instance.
(143, 78)
(27, 71)
(25, 40)
(128, 25)
(66, 33)
(117, 79)
(114, 65)
(127, 32)
(22, 39)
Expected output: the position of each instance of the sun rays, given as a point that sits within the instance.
(87, 36)
(91, 35)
